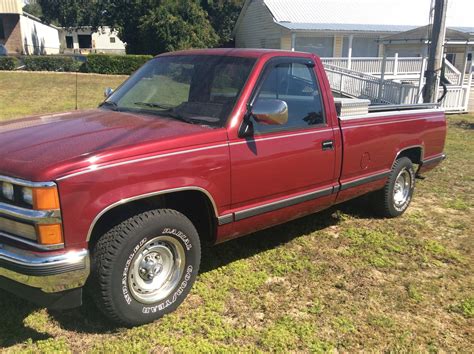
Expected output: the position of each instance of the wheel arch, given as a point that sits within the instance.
(414, 153)
(200, 208)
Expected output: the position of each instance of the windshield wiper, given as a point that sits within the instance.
(155, 105)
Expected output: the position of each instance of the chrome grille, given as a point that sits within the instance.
(16, 228)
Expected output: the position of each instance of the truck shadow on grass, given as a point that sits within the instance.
(12, 328)
(88, 319)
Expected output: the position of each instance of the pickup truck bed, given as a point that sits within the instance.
(197, 147)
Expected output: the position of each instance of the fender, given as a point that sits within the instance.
(148, 195)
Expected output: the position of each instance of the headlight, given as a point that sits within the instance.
(27, 195)
(8, 191)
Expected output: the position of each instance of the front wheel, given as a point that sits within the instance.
(145, 267)
(394, 199)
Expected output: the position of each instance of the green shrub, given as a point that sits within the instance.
(8, 63)
(115, 64)
(50, 63)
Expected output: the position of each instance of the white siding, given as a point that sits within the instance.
(11, 7)
(257, 28)
(38, 38)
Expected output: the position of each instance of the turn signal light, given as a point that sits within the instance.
(50, 234)
(45, 198)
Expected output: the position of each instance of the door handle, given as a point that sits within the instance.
(328, 145)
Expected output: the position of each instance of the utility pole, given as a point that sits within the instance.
(435, 60)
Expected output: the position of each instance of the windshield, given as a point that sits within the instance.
(197, 89)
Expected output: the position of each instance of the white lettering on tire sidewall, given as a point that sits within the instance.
(125, 291)
(179, 234)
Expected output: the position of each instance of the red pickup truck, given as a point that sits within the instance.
(197, 147)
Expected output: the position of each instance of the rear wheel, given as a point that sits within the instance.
(394, 199)
(145, 267)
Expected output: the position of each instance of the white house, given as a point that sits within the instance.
(337, 28)
(85, 40)
(22, 33)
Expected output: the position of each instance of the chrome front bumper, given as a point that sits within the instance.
(47, 273)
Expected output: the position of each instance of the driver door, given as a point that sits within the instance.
(280, 161)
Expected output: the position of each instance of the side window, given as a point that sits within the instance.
(296, 84)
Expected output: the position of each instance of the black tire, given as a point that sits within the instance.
(121, 255)
(384, 202)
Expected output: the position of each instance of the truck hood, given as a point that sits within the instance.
(46, 147)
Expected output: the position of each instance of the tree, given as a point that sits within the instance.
(33, 8)
(68, 13)
(223, 15)
(177, 25)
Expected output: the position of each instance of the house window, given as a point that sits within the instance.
(112, 39)
(2, 31)
(69, 42)
(85, 41)
(322, 46)
(361, 47)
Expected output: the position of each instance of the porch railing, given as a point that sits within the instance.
(360, 85)
(393, 66)
(457, 97)
(452, 73)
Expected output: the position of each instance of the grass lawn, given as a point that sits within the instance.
(26, 93)
(340, 279)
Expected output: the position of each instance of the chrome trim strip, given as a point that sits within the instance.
(23, 183)
(392, 113)
(50, 273)
(30, 243)
(414, 106)
(364, 180)
(244, 214)
(30, 215)
(147, 195)
(94, 168)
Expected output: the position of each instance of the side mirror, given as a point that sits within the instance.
(108, 92)
(272, 112)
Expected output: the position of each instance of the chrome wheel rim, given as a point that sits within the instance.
(401, 189)
(156, 269)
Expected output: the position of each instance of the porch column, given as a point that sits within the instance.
(395, 65)
(349, 52)
(464, 65)
(293, 41)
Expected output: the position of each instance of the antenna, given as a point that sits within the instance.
(77, 74)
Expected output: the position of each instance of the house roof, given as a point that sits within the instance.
(308, 27)
(422, 34)
(359, 15)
